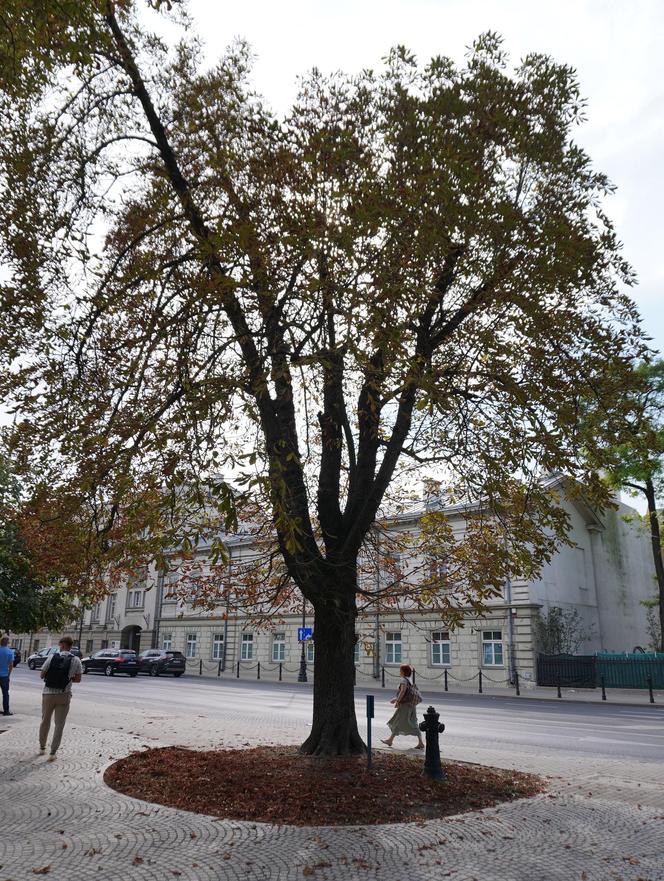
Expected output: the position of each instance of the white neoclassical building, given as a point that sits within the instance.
(605, 575)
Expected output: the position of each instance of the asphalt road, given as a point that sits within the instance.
(507, 726)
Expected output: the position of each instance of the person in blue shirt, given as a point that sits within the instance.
(6, 667)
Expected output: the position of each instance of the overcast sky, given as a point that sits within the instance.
(617, 47)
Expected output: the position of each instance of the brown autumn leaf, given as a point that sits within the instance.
(43, 871)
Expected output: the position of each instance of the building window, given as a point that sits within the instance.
(136, 599)
(393, 648)
(169, 587)
(492, 648)
(115, 644)
(35, 645)
(279, 647)
(96, 611)
(191, 643)
(88, 646)
(167, 642)
(217, 646)
(356, 652)
(110, 607)
(310, 651)
(247, 647)
(104, 643)
(440, 648)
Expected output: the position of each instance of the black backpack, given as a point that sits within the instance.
(57, 675)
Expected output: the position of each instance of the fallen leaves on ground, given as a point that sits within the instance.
(311, 791)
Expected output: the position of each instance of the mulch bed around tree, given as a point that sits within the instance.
(277, 785)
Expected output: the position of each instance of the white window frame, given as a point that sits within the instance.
(110, 606)
(441, 649)
(191, 645)
(136, 599)
(491, 641)
(393, 647)
(168, 587)
(115, 645)
(217, 646)
(278, 647)
(167, 642)
(311, 651)
(247, 647)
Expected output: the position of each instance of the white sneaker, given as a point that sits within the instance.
(51, 758)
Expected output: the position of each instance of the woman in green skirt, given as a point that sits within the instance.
(404, 719)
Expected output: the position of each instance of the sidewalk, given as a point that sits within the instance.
(365, 683)
(61, 821)
(638, 696)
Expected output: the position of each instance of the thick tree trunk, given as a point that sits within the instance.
(656, 542)
(334, 726)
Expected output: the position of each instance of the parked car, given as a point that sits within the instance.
(112, 661)
(17, 657)
(37, 659)
(157, 662)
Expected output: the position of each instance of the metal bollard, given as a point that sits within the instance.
(370, 715)
(219, 669)
(558, 688)
(237, 674)
(382, 677)
(445, 680)
(279, 672)
(258, 670)
(432, 728)
(652, 696)
(480, 681)
(516, 683)
(603, 689)
(200, 667)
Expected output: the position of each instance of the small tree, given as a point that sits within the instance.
(561, 631)
(409, 272)
(29, 599)
(653, 625)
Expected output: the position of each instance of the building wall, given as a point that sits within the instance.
(604, 574)
(625, 577)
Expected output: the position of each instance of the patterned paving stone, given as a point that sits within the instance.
(64, 817)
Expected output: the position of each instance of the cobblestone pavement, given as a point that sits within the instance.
(61, 819)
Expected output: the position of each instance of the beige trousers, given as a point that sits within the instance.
(57, 704)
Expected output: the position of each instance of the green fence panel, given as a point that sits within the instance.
(630, 670)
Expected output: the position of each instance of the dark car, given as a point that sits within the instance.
(157, 662)
(37, 659)
(112, 661)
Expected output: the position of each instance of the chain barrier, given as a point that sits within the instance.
(467, 679)
(430, 678)
(496, 681)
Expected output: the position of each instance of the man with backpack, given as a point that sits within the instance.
(58, 672)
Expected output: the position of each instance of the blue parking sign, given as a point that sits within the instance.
(304, 633)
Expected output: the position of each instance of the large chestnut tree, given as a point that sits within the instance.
(410, 273)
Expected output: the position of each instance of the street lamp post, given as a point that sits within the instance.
(302, 675)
